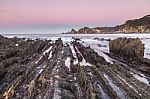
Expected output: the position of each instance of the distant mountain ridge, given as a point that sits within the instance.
(141, 25)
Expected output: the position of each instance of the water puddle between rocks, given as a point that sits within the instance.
(57, 92)
(39, 70)
(83, 63)
(115, 88)
(103, 94)
(47, 50)
(96, 49)
(140, 78)
(67, 62)
(128, 84)
(74, 54)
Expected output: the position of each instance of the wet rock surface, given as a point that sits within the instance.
(71, 71)
(15, 54)
(127, 47)
(131, 52)
(99, 45)
(101, 39)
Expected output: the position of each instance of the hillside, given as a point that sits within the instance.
(141, 25)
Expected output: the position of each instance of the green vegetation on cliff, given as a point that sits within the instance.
(141, 25)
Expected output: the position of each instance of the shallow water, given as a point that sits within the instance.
(88, 39)
(115, 88)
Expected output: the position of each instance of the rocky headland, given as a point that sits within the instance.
(141, 25)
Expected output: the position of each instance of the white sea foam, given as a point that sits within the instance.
(88, 38)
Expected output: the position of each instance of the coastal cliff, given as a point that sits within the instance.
(141, 25)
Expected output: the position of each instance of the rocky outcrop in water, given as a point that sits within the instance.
(73, 31)
(131, 52)
(127, 47)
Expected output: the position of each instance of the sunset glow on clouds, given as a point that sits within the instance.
(32, 13)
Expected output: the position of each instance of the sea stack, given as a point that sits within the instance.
(127, 47)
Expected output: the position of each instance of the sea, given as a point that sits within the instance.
(89, 39)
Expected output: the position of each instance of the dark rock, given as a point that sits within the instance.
(148, 53)
(127, 47)
(73, 68)
(13, 57)
(66, 94)
(145, 38)
(99, 45)
(108, 39)
(76, 39)
(96, 38)
(86, 51)
(101, 39)
(73, 31)
(86, 30)
(79, 57)
(65, 85)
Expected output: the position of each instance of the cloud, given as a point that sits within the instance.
(8, 13)
(1, 10)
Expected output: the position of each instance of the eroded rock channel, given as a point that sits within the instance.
(58, 70)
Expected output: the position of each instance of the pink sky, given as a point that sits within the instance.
(30, 13)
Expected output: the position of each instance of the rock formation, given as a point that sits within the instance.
(14, 52)
(141, 25)
(73, 31)
(69, 71)
(127, 47)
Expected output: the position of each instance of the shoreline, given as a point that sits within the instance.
(56, 67)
